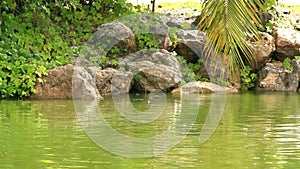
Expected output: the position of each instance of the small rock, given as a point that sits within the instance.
(273, 77)
(121, 82)
(112, 81)
(202, 87)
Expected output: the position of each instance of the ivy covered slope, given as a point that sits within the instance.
(38, 35)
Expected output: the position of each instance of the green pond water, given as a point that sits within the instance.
(255, 130)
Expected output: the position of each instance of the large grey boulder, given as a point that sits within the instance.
(109, 36)
(67, 82)
(153, 70)
(160, 33)
(162, 57)
(287, 43)
(274, 77)
(263, 50)
(190, 44)
(175, 22)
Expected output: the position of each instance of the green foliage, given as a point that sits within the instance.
(196, 66)
(141, 25)
(189, 70)
(269, 27)
(265, 9)
(180, 59)
(122, 69)
(204, 79)
(36, 36)
(248, 79)
(113, 60)
(146, 41)
(219, 81)
(187, 73)
(26, 55)
(173, 36)
(268, 5)
(287, 64)
(137, 77)
(297, 57)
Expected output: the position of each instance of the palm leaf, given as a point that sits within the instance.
(228, 24)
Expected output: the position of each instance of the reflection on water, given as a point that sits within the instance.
(256, 130)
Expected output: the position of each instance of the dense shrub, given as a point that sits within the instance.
(36, 35)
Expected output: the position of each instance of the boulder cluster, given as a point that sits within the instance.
(284, 45)
(149, 70)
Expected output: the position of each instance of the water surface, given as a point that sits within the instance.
(257, 130)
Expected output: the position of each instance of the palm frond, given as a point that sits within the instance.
(227, 24)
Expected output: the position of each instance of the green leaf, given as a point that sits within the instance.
(227, 25)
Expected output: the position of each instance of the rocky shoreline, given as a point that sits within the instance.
(149, 70)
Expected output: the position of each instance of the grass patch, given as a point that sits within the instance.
(295, 9)
(178, 5)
